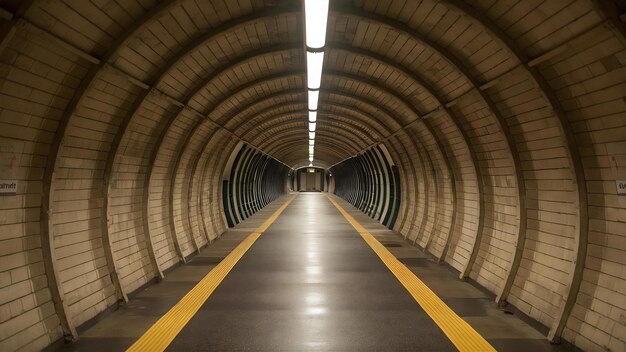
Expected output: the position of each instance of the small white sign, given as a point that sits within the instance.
(8, 187)
(621, 186)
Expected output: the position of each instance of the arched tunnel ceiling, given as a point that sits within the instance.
(504, 119)
(244, 68)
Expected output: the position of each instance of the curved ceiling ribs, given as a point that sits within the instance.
(575, 159)
(52, 165)
(499, 118)
(449, 123)
(207, 81)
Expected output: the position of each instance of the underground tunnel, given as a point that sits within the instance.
(313, 175)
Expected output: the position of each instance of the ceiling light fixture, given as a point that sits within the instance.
(316, 18)
(316, 21)
(314, 63)
(313, 98)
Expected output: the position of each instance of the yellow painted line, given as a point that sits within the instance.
(462, 335)
(163, 332)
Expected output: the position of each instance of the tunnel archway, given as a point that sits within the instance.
(137, 132)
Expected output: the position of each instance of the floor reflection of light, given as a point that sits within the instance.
(315, 344)
(315, 310)
(313, 270)
(313, 298)
(313, 255)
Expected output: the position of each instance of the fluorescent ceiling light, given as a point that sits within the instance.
(312, 116)
(314, 62)
(312, 126)
(311, 142)
(311, 161)
(316, 17)
(311, 148)
(313, 97)
(311, 135)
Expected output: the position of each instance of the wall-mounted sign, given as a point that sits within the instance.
(621, 186)
(10, 152)
(8, 187)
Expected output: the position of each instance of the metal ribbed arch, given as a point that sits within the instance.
(251, 88)
(391, 183)
(345, 130)
(260, 197)
(376, 97)
(276, 76)
(418, 169)
(405, 163)
(281, 120)
(383, 178)
(344, 138)
(429, 90)
(453, 118)
(368, 105)
(430, 185)
(431, 132)
(360, 179)
(240, 182)
(255, 55)
(234, 185)
(232, 64)
(254, 200)
(297, 97)
(253, 85)
(259, 81)
(365, 121)
(376, 183)
(46, 222)
(380, 125)
(323, 147)
(210, 163)
(244, 185)
(339, 112)
(294, 142)
(458, 65)
(369, 174)
(347, 99)
(253, 181)
(575, 159)
(366, 82)
(356, 115)
(331, 120)
(340, 142)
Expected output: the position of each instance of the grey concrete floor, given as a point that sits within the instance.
(311, 283)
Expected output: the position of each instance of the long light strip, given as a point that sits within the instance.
(316, 17)
(314, 95)
(314, 63)
(316, 21)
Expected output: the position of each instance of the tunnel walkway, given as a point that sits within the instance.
(308, 282)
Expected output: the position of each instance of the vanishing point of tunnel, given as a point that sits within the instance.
(313, 175)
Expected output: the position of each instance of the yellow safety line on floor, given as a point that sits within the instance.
(462, 335)
(163, 332)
